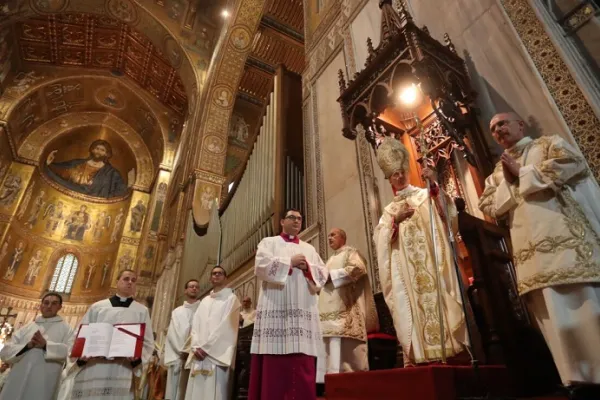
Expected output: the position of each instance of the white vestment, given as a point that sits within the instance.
(177, 334)
(101, 379)
(3, 377)
(287, 316)
(554, 217)
(35, 373)
(408, 278)
(347, 311)
(214, 331)
(249, 316)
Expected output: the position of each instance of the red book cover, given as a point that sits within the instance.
(139, 344)
(78, 344)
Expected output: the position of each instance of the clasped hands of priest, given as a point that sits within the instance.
(37, 341)
(299, 261)
(200, 354)
(510, 168)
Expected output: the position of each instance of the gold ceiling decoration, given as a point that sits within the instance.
(99, 41)
(279, 40)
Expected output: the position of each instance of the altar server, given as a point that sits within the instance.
(287, 331)
(213, 342)
(37, 353)
(100, 378)
(177, 334)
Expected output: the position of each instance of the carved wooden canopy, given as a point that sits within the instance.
(408, 54)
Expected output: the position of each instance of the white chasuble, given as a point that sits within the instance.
(287, 315)
(554, 217)
(248, 316)
(35, 373)
(553, 213)
(347, 311)
(177, 334)
(214, 331)
(408, 278)
(101, 379)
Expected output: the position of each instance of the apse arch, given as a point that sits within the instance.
(219, 93)
(33, 109)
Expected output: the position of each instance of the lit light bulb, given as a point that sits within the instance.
(409, 94)
(225, 14)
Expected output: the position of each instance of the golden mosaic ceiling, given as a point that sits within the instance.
(98, 41)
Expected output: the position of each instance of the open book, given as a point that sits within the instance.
(101, 339)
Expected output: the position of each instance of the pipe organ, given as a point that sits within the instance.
(249, 216)
(272, 180)
(294, 187)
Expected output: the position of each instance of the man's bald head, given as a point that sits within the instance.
(336, 238)
(507, 129)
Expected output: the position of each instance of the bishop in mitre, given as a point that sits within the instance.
(346, 309)
(407, 270)
(177, 334)
(546, 192)
(100, 378)
(37, 353)
(213, 342)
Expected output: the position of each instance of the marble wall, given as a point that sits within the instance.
(343, 205)
(500, 68)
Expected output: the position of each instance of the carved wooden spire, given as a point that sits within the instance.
(370, 50)
(392, 21)
(449, 43)
(341, 81)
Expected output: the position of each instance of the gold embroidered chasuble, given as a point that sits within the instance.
(408, 278)
(346, 304)
(553, 213)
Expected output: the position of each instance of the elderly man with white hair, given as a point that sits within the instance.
(545, 190)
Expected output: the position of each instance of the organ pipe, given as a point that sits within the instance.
(253, 212)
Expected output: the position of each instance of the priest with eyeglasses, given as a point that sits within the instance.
(287, 331)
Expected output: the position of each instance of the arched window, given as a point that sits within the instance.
(64, 273)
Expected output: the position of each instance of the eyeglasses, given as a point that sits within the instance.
(217, 273)
(293, 218)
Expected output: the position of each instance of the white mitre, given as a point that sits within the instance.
(392, 156)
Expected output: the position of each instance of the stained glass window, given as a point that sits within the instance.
(64, 274)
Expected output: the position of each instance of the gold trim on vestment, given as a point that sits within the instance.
(353, 326)
(203, 372)
(585, 269)
(578, 273)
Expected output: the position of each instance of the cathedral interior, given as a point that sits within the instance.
(204, 120)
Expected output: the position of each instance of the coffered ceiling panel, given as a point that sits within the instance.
(256, 83)
(94, 41)
(288, 12)
(275, 48)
